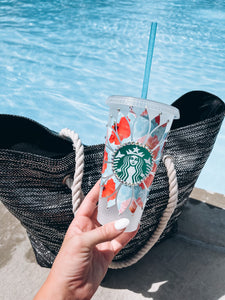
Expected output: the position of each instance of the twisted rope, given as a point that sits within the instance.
(75, 183)
(173, 196)
(77, 196)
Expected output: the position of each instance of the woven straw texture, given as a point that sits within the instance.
(32, 172)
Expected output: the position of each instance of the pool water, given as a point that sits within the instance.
(61, 59)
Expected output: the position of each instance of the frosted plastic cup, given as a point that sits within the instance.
(136, 135)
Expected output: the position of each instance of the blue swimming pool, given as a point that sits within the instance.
(61, 59)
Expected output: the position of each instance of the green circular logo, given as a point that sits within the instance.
(132, 163)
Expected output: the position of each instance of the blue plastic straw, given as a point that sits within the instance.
(148, 64)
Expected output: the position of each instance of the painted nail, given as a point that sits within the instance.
(121, 224)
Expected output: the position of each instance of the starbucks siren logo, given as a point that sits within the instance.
(132, 163)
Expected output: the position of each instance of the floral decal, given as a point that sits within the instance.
(152, 143)
(120, 131)
(139, 202)
(130, 133)
(105, 159)
(124, 205)
(135, 204)
(147, 182)
(109, 190)
(133, 207)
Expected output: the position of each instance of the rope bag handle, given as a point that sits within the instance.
(75, 183)
(172, 203)
(77, 196)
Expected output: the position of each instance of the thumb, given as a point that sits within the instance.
(106, 233)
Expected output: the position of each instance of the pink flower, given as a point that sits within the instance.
(124, 205)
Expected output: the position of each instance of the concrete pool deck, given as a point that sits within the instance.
(190, 265)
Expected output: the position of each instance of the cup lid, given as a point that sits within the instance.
(139, 102)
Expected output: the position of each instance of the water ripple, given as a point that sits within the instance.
(61, 59)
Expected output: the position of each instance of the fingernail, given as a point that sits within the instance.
(121, 224)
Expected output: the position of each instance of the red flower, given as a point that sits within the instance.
(134, 203)
(109, 189)
(105, 159)
(123, 130)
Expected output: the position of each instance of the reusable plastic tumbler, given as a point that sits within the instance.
(136, 135)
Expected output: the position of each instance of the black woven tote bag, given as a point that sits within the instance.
(35, 161)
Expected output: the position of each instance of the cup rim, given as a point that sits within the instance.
(139, 102)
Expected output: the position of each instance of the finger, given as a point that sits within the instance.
(88, 205)
(106, 233)
(122, 240)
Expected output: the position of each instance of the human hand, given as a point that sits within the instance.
(85, 255)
